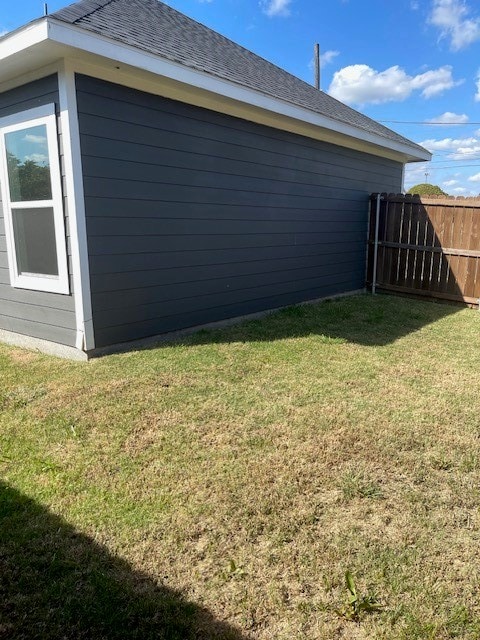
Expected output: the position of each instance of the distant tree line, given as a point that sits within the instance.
(28, 180)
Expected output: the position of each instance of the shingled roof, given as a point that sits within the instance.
(152, 26)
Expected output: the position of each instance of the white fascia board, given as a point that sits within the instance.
(71, 36)
(50, 30)
(22, 39)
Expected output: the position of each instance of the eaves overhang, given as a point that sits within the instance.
(47, 41)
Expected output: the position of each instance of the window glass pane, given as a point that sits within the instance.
(34, 233)
(28, 164)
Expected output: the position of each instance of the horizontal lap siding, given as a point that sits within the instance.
(193, 216)
(49, 316)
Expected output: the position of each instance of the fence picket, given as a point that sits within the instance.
(473, 281)
(428, 247)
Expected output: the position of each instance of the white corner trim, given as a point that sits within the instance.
(76, 207)
(78, 38)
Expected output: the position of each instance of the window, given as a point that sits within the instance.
(32, 201)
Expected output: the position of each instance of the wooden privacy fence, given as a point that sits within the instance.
(424, 246)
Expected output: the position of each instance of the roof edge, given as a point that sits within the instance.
(71, 36)
(105, 47)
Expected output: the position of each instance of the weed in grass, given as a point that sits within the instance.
(358, 604)
(234, 571)
(357, 484)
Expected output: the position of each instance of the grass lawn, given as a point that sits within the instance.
(221, 487)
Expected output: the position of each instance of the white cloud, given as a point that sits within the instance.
(458, 148)
(466, 153)
(328, 57)
(360, 84)
(414, 6)
(38, 158)
(459, 190)
(449, 118)
(453, 19)
(477, 82)
(35, 139)
(276, 7)
(446, 144)
(475, 178)
(449, 183)
(435, 82)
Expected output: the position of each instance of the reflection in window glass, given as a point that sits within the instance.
(34, 233)
(28, 164)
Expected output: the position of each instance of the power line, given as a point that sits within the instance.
(430, 162)
(453, 166)
(443, 154)
(429, 124)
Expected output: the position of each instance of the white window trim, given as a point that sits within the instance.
(44, 115)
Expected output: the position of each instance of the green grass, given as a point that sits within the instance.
(221, 487)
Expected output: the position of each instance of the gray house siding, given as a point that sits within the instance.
(194, 216)
(49, 316)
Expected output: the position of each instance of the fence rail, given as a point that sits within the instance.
(424, 246)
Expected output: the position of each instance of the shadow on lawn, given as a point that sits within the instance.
(58, 584)
(363, 319)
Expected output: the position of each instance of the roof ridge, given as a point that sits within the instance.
(101, 4)
(72, 14)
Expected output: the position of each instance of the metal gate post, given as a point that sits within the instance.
(375, 246)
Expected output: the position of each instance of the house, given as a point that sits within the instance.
(157, 176)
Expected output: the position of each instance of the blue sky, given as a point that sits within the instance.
(408, 63)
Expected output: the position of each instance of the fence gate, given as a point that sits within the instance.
(424, 246)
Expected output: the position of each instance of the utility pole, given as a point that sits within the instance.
(316, 58)
(426, 176)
